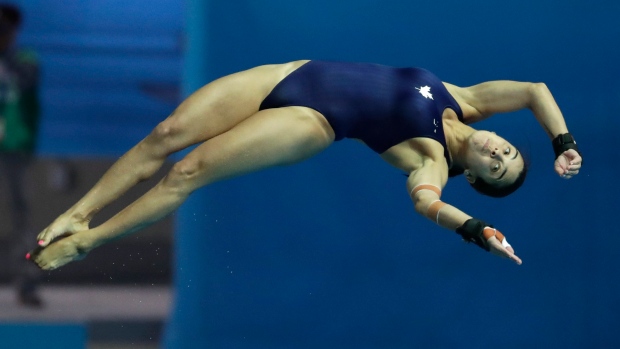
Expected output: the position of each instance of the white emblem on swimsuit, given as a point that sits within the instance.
(425, 91)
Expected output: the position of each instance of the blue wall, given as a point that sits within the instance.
(110, 70)
(330, 254)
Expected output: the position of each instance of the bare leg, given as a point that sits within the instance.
(269, 138)
(209, 112)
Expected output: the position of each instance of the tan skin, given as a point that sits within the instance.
(236, 139)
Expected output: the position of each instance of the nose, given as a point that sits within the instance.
(494, 152)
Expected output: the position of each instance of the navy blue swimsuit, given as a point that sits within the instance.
(380, 105)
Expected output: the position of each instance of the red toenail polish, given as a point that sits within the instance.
(41, 242)
(27, 255)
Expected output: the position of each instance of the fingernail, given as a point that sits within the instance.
(28, 255)
(41, 242)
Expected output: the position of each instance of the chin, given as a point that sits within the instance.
(478, 138)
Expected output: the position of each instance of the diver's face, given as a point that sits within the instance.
(492, 158)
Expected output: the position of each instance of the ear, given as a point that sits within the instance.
(470, 177)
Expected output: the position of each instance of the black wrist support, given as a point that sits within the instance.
(471, 231)
(562, 143)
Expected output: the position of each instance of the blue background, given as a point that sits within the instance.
(330, 253)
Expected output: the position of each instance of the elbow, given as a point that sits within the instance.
(422, 206)
(539, 86)
(538, 89)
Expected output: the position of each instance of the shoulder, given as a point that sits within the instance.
(464, 98)
(416, 153)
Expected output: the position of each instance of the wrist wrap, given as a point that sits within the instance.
(472, 231)
(562, 143)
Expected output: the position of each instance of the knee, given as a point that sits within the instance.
(163, 137)
(185, 176)
(166, 130)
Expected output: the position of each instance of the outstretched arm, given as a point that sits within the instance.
(488, 98)
(424, 186)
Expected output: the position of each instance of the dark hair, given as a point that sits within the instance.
(11, 15)
(499, 192)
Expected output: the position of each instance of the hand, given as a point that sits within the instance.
(496, 248)
(65, 225)
(568, 164)
(58, 253)
(498, 245)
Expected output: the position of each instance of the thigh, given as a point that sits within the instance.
(272, 137)
(222, 104)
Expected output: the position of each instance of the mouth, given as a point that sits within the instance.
(486, 144)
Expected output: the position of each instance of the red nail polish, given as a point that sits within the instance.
(41, 242)
(28, 255)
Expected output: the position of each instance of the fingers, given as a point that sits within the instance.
(514, 257)
(573, 166)
(499, 250)
(561, 165)
(572, 155)
(570, 173)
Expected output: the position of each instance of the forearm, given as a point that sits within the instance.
(546, 111)
(427, 203)
(489, 98)
(451, 217)
(447, 216)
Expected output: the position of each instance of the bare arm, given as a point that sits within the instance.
(488, 98)
(483, 100)
(428, 204)
(431, 173)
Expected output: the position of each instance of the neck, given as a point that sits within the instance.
(456, 134)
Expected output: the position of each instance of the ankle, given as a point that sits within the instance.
(78, 216)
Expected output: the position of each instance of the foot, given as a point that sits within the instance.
(59, 252)
(65, 225)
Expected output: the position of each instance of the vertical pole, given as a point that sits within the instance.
(186, 328)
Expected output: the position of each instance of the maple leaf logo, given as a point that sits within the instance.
(425, 91)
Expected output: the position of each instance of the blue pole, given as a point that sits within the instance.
(186, 325)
